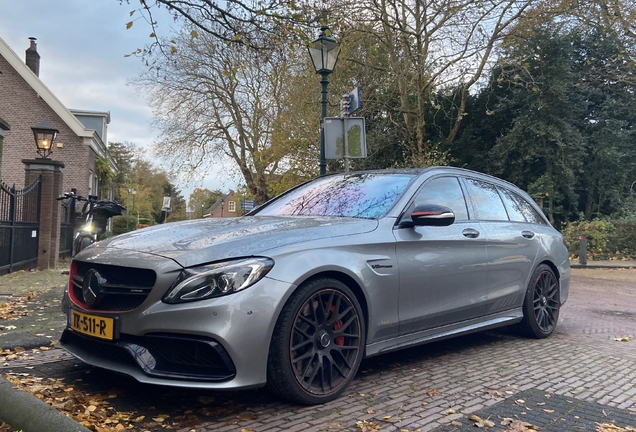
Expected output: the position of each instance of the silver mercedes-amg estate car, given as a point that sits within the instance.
(294, 294)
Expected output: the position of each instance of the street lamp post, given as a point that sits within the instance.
(202, 207)
(134, 192)
(243, 204)
(222, 205)
(130, 191)
(324, 53)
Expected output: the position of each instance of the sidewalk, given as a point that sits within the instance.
(31, 322)
(629, 264)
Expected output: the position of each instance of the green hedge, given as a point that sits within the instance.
(606, 238)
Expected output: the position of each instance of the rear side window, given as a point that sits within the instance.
(513, 206)
(528, 210)
(486, 200)
(444, 191)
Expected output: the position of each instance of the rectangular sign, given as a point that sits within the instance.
(92, 325)
(338, 145)
(248, 204)
(166, 204)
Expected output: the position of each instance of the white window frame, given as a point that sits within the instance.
(90, 182)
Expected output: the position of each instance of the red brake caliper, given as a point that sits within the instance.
(340, 339)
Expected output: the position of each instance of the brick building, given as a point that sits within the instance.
(24, 102)
(226, 206)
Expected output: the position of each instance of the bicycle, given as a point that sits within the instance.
(95, 213)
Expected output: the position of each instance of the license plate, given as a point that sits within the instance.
(92, 325)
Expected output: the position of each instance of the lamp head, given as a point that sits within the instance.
(44, 134)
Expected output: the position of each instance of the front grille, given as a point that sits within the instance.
(170, 356)
(124, 289)
(118, 275)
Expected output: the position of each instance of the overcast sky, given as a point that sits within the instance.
(82, 44)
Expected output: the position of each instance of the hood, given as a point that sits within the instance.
(199, 241)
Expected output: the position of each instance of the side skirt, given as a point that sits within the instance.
(445, 332)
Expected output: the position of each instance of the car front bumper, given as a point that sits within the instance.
(221, 343)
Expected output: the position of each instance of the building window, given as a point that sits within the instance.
(231, 206)
(90, 182)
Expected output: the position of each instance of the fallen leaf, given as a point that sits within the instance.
(608, 427)
(247, 416)
(515, 425)
(481, 423)
(622, 339)
(450, 411)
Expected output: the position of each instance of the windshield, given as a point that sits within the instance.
(362, 195)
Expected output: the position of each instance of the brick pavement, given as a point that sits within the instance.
(436, 386)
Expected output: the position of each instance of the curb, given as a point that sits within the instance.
(23, 411)
(592, 265)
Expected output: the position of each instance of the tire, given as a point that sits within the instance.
(541, 304)
(318, 343)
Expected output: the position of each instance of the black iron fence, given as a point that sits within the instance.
(19, 226)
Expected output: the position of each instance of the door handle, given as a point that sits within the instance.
(470, 233)
(527, 234)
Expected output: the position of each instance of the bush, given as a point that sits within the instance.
(623, 240)
(607, 238)
(120, 225)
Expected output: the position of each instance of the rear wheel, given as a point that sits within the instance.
(317, 344)
(541, 305)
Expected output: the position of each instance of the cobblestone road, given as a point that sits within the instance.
(571, 381)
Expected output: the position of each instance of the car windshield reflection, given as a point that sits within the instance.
(368, 195)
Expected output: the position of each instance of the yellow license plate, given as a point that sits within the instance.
(92, 325)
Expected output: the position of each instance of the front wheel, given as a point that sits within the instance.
(317, 344)
(541, 304)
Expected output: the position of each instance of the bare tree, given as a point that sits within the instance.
(214, 100)
(254, 23)
(434, 45)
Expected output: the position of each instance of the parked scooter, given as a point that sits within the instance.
(95, 215)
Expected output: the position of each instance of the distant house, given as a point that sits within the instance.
(24, 102)
(229, 205)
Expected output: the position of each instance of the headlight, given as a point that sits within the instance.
(214, 280)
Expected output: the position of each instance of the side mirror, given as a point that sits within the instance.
(432, 215)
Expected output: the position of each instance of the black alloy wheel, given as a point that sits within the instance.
(546, 301)
(541, 304)
(318, 343)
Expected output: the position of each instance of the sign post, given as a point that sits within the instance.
(165, 207)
